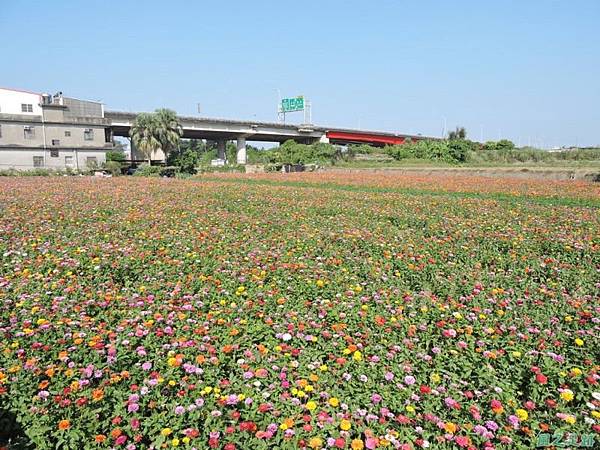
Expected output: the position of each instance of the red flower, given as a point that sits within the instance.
(340, 443)
(541, 378)
(230, 446)
(264, 407)
(425, 389)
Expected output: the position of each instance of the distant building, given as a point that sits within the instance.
(51, 131)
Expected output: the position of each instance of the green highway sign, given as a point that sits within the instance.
(292, 104)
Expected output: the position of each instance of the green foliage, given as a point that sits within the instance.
(505, 145)
(146, 170)
(115, 155)
(291, 152)
(114, 167)
(436, 150)
(459, 133)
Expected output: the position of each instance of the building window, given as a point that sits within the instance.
(38, 161)
(67, 134)
(0, 131)
(55, 141)
(54, 153)
(91, 162)
(26, 107)
(69, 161)
(28, 132)
(88, 134)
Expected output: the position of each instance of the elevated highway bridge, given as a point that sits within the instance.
(223, 130)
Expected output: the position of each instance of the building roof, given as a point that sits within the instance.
(19, 90)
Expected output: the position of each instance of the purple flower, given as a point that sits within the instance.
(491, 425)
(179, 410)
(409, 379)
(133, 407)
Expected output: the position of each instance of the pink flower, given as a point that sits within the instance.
(409, 379)
(462, 441)
(371, 443)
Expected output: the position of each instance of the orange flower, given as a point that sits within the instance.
(97, 395)
(100, 438)
(450, 427)
(64, 424)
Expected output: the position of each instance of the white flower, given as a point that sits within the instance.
(286, 336)
(596, 395)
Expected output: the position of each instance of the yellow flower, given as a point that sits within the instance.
(320, 283)
(579, 342)
(315, 442)
(345, 424)
(410, 409)
(175, 442)
(333, 401)
(357, 356)
(311, 406)
(567, 395)
(166, 431)
(435, 378)
(516, 354)
(522, 414)
(570, 420)
(357, 444)
(323, 368)
(575, 371)
(596, 414)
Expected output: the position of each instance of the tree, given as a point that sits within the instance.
(168, 130)
(144, 134)
(160, 130)
(459, 133)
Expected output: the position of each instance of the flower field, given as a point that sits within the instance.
(238, 312)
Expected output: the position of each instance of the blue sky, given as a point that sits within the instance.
(526, 70)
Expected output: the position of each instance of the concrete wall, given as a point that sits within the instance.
(13, 135)
(82, 108)
(76, 159)
(11, 100)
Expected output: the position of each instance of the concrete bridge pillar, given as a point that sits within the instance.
(221, 143)
(241, 150)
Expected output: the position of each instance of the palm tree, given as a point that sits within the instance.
(168, 130)
(143, 135)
